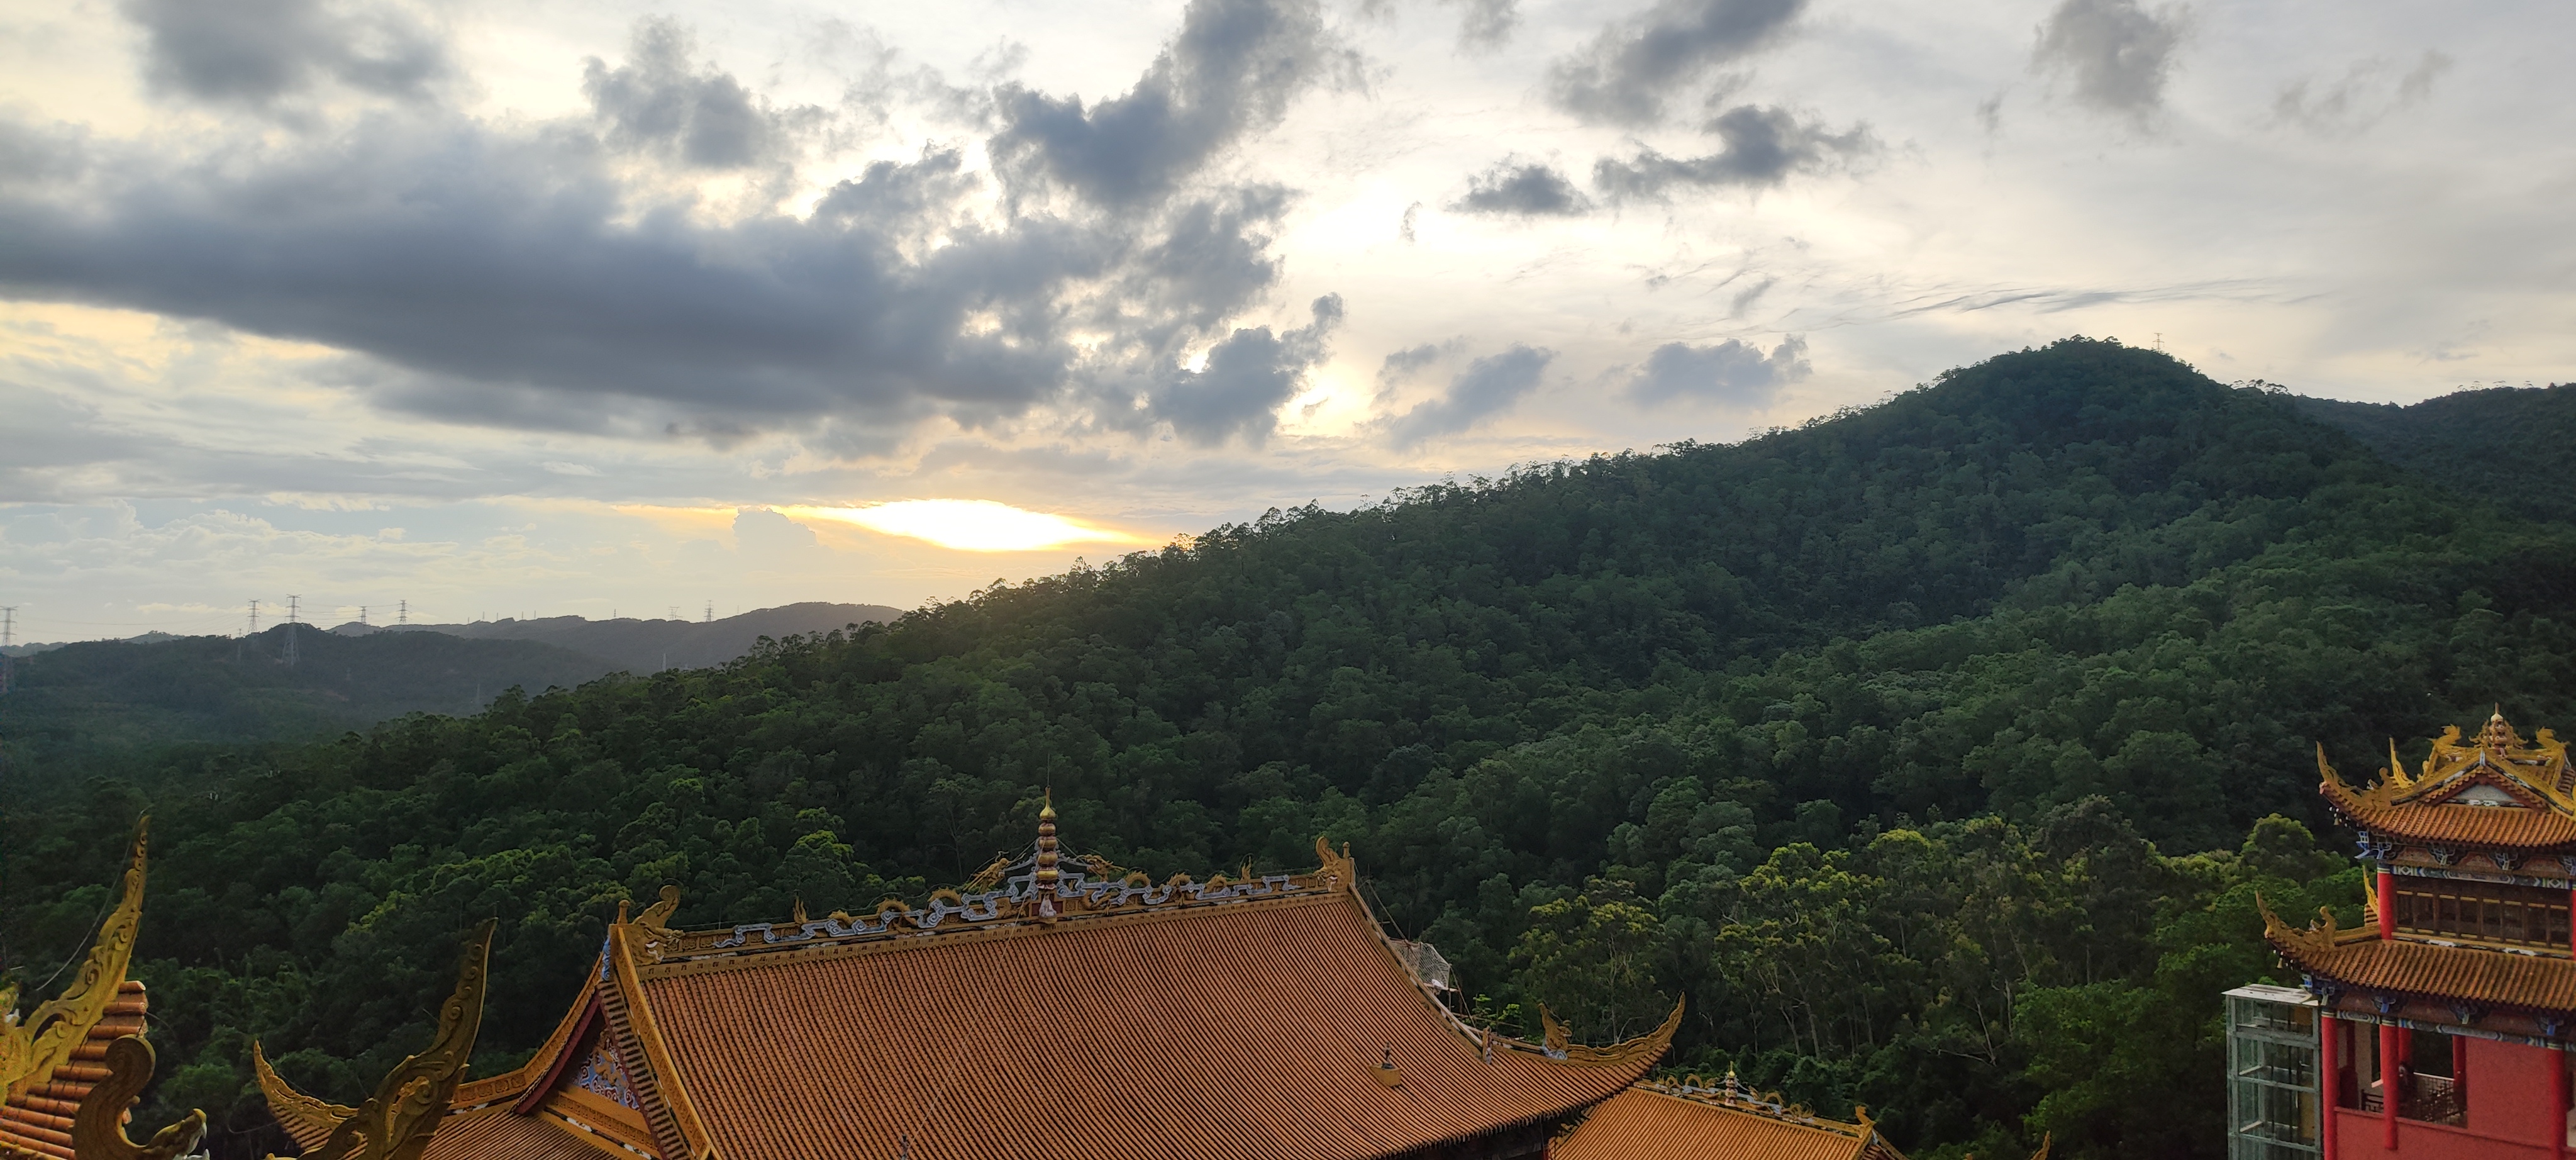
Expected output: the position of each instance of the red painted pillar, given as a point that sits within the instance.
(2460, 1069)
(2329, 1084)
(2391, 1048)
(2558, 1103)
(2388, 904)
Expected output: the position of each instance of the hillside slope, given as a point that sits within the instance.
(2512, 446)
(102, 704)
(1852, 736)
(649, 646)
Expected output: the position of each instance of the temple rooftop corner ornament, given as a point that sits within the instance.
(71, 1068)
(397, 1122)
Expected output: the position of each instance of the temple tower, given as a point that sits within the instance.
(2443, 1023)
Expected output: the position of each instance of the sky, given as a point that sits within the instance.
(597, 308)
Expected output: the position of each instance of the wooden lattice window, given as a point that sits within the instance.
(2491, 912)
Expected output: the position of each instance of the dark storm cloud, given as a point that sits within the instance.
(1629, 70)
(1231, 72)
(2118, 54)
(1763, 147)
(1516, 188)
(659, 102)
(255, 52)
(1727, 372)
(1248, 377)
(504, 263)
(512, 277)
(1489, 386)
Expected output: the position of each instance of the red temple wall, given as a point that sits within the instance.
(2358, 1137)
(2509, 1091)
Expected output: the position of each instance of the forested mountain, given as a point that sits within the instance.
(1930, 751)
(650, 646)
(94, 706)
(2513, 446)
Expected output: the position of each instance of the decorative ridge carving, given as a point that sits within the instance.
(1733, 1095)
(98, 1129)
(2535, 776)
(1645, 1048)
(1097, 890)
(32, 1048)
(663, 1091)
(396, 1122)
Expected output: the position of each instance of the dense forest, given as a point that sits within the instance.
(1934, 752)
(96, 707)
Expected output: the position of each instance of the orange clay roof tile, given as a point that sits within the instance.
(2502, 826)
(1642, 1123)
(1238, 1031)
(2529, 982)
(496, 1134)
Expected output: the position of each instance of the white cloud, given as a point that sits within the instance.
(2363, 205)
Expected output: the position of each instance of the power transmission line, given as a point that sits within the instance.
(294, 612)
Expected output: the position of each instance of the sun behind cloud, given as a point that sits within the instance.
(969, 525)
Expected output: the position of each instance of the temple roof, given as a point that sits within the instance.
(39, 1119)
(2493, 791)
(1109, 1017)
(53, 1056)
(1692, 1122)
(2358, 958)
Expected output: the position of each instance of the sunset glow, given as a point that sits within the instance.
(969, 525)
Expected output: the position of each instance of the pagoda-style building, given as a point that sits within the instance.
(2441, 1026)
(1062, 1008)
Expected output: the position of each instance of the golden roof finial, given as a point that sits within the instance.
(1043, 883)
(2498, 735)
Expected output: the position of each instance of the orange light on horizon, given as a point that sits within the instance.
(969, 525)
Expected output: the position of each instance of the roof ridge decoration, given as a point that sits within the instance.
(1733, 1094)
(2323, 933)
(396, 1122)
(2537, 773)
(31, 1049)
(98, 1129)
(1017, 894)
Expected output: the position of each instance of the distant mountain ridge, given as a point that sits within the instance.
(99, 705)
(649, 646)
(2513, 446)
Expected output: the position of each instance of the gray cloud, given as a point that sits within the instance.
(254, 52)
(1486, 25)
(1764, 146)
(512, 277)
(1628, 71)
(2367, 93)
(1248, 377)
(1512, 187)
(1406, 363)
(1231, 72)
(1489, 386)
(658, 102)
(1729, 372)
(2118, 54)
